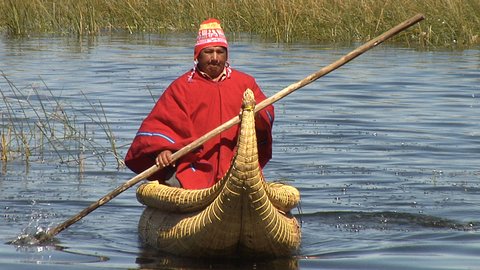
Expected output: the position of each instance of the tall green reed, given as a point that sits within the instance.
(38, 125)
(448, 22)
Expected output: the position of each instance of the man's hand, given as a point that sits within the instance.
(164, 158)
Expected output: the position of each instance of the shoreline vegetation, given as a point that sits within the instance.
(448, 23)
(36, 126)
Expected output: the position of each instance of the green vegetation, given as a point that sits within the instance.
(448, 23)
(37, 125)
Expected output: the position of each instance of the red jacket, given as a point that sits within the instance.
(188, 109)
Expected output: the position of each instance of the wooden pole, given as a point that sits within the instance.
(281, 94)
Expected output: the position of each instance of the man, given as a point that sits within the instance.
(194, 104)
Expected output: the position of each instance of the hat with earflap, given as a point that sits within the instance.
(210, 34)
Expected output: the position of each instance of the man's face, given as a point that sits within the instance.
(211, 60)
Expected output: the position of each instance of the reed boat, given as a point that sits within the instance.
(241, 215)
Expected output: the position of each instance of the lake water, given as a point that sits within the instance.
(385, 151)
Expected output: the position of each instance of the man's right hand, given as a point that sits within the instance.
(164, 158)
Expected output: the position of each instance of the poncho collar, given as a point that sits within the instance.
(227, 71)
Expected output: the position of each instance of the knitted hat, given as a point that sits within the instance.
(209, 34)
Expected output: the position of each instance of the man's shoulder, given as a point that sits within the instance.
(181, 80)
(184, 77)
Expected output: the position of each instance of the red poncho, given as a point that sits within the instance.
(188, 109)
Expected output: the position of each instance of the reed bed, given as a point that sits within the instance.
(37, 126)
(448, 22)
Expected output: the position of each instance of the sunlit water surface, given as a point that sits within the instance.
(385, 151)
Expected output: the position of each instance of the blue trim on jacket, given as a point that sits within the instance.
(153, 134)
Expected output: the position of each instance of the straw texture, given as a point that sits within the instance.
(240, 215)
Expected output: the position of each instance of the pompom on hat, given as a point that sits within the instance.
(210, 34)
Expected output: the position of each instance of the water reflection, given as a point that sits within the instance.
(50, 255)
(151, 259)
(395, 221)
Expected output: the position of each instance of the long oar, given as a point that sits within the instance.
(281, 94)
